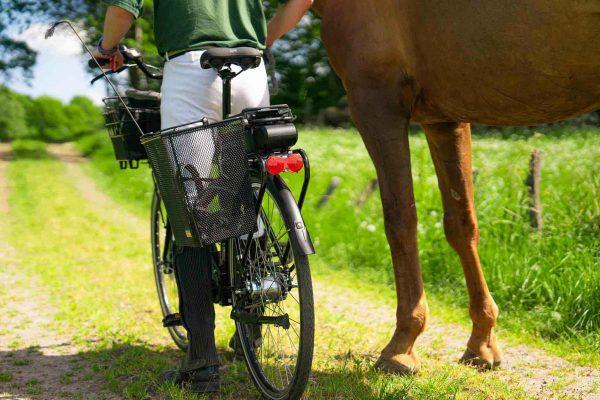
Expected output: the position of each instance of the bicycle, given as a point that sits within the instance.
(264, 275)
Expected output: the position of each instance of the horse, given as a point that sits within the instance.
(445, 65)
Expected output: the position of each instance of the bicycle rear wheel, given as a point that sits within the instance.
(163, 247)
(273, 303)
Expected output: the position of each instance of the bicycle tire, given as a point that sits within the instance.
(161, 237)
(295, 386)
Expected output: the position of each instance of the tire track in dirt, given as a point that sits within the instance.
(72, 160)
(35, 361)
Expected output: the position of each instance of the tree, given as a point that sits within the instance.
(13, 124)
(47, 118)
(15, 55)
(83, 116)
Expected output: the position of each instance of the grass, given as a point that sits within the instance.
(99, 280)
(548, 288)
(5, 377)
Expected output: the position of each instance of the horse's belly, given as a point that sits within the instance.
(506, 103)
(506, 62)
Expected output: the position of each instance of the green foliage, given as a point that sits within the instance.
(28, 148)
(12, 116)
(48, 119)
(45, 118)
(15, 55)
(84, 116)
(92, 143)
(306, 80)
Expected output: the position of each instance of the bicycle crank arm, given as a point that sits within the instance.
(253, 319)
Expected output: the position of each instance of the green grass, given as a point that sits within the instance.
(5, 377)
(96, 269)
(548, 288)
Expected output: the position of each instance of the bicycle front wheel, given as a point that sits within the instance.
(273, 302)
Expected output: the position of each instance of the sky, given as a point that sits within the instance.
(61, 70)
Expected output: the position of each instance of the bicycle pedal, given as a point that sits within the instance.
(172, 320)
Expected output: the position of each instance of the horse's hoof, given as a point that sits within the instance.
(401, 364)
(472, 359)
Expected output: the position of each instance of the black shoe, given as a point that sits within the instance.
(203, 380)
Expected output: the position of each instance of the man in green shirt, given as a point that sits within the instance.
(182, 25)
(183, 28)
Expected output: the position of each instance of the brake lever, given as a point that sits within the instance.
(123, 68)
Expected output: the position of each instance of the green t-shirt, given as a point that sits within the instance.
(192, 24)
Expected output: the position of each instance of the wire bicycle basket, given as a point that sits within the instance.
(124, 133)
(201, 171)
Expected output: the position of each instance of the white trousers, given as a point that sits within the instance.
(190, 93)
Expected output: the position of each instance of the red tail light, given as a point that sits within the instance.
(294, 162)
(277, 164)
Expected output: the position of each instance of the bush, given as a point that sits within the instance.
(84, 117)
(91, 143)
(29, 148)
(13, 124)
(47, 117)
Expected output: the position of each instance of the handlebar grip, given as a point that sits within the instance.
(102, 61)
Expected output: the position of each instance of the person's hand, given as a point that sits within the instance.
(113, 56)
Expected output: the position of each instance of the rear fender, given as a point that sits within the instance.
(290, 210)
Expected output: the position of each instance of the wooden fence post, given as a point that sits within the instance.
(533, 182)
(333, 184)
(367, 191)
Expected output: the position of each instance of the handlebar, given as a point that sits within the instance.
(131, 57)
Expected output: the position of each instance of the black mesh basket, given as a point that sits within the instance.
(201, 171)
(123, 133)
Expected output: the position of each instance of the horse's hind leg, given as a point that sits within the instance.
(450, 146)
(378, 115)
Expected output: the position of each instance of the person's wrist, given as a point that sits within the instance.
(101, 48)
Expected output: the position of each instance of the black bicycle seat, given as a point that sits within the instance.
(243, 57)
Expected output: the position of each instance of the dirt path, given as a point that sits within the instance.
(37, 360)
(89, 190)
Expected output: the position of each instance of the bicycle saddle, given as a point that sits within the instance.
(243, 57)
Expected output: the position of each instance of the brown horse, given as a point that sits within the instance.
(445, 64)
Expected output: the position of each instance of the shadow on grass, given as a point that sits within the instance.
(130, 371)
